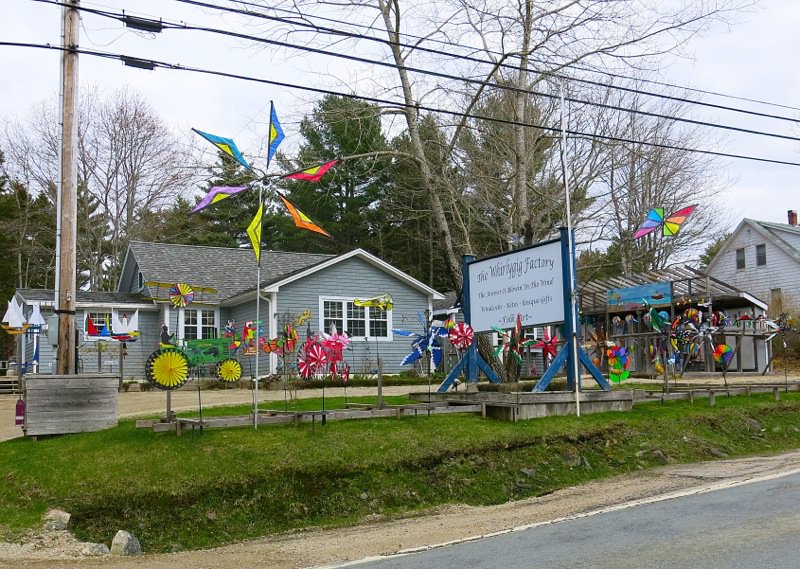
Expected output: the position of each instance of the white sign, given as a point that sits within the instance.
(527, 282)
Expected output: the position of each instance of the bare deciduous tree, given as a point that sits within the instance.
(522, 43)
(128, 163)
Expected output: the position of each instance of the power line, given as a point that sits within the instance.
(418, 47)
(165, 24)
(399, 104)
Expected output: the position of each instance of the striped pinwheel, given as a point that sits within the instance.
(461, 336)
(427, 342)
(181, 295)
(311, 358)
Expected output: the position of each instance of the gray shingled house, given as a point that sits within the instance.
(291, 284)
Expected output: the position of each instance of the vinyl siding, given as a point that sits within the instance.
(355, 278)
(781, 270)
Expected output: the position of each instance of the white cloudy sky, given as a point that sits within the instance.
(755, 58)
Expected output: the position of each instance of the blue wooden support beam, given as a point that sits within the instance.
(567, 352)
(471, 361)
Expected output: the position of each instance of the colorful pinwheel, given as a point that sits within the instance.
(427, 342)
(181, 295)
(512, 341)
(334, 344)
(723, 354)
(671, 223)
(461, 335)
(618, 363)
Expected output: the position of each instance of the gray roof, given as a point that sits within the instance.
(445, 304)
(84, 296)
(230, 271)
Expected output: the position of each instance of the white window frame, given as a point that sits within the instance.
(367, 309)
(199, 325)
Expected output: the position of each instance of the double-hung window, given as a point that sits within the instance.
(740, 264)
(357, 321)
(761, 254)
(199, 323)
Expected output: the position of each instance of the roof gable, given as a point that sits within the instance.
(769, 231)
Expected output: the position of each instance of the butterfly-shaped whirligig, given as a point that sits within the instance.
(671, 223)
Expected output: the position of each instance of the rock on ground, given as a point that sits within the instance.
(126, 544)
(57, 520)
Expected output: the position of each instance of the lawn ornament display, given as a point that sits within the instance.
(122, 329)
(254, 230)
(15, 324)
(181, 295)
(310, 358)
(723, 354)
(426, 342)
(599, 343)
(780, 326)
(512, 345)
(383, 301)
(170, 367)
(618, 363)
(655, 359)
(334, 345)
(14, 321)
(670, 224)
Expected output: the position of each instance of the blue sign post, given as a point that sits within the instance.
(471, 361)
(571, 348)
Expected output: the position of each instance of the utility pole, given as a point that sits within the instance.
(67, 207)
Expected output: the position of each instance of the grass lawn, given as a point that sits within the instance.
(239, 483)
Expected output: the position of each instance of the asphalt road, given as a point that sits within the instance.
(752, 526)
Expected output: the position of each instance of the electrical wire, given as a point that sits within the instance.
(418, 47)
(396, 104)
(482, 83)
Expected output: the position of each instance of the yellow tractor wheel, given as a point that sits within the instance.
(229, 370)
(167, 368)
